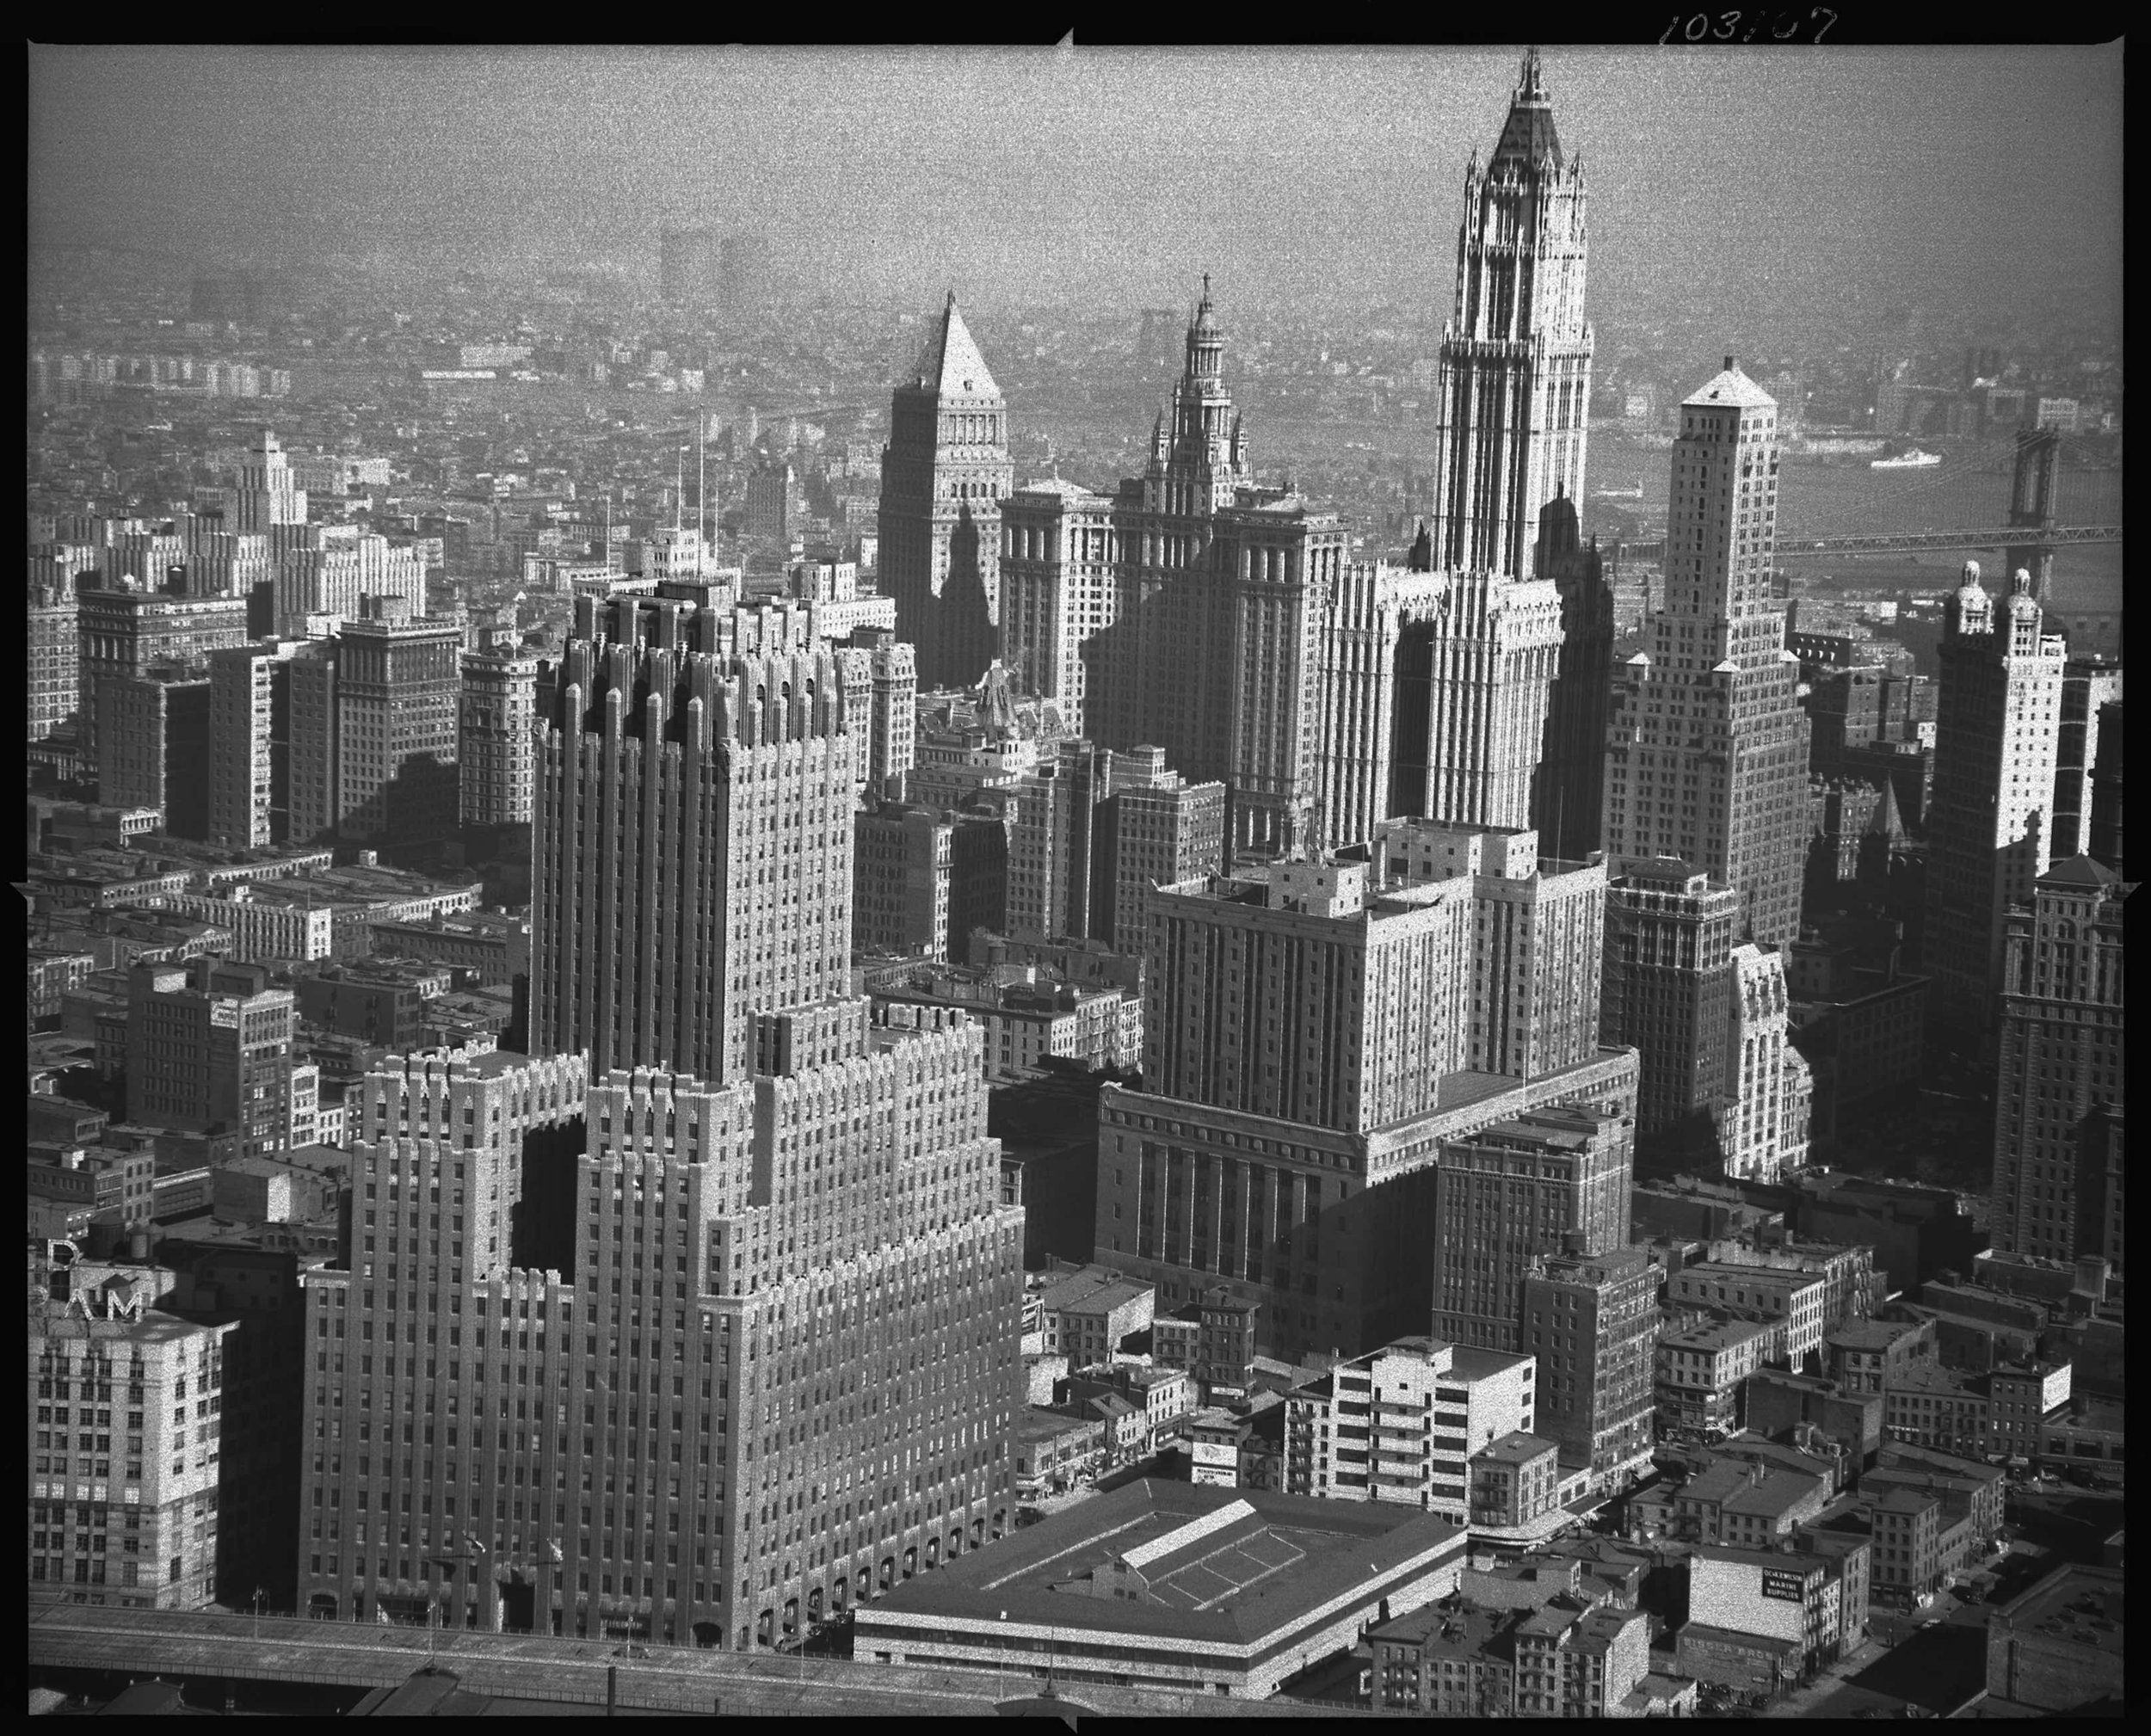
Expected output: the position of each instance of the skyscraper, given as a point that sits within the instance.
(1590, 1321)
(1515, 380)
(1510, 1192)
(1668, 992)
(125, 633)
(1196, 604)
(1155, 829)
(881, 691)
(268, 496)
(1060, 577)
(160, 1551)
(692, 849)
(1706, 755)
(1763, 1128)
(54, 665)
(1502, 684)
(2089, 685)
(800, 1392)
(210, 1046)
(1997, 725)
(1474, 672)
(944, 474)
(384, 705)
(154, 745)
(790, 1330)
(1568, 790)
(496, 710)
(2062, 1086)
(249, 707)
(2102, 826)
(1313, 1033)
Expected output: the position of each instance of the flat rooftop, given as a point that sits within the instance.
(2075, 1605)
(1225, 1566)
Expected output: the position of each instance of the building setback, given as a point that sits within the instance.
(692, 857)
(130, 631)
(799, 1393)
(1190, 611)
(1706, 756)
(1516, 1190)
(1403, 1424)
(1311, 1037)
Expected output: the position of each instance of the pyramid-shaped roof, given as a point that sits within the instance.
(1730, 387)
(1529, 134)
(1886, 822)
(2081, 871)
(950, 365)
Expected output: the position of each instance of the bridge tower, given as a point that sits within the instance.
(2031, 506)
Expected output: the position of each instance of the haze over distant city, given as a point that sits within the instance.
(1764, 188)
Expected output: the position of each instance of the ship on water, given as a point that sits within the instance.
(1913, 461)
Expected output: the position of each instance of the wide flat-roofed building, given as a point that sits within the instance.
(1170, 1584)
(2059, 1647)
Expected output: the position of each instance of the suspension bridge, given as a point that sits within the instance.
(2026, 494)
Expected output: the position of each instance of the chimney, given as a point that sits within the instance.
(1728, 364)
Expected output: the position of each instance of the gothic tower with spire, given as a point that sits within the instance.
(1515, 380)
(944, 474)
(1186, 610)
(1479, 695)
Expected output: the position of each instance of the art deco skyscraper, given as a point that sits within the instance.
(1996, 733)
(692, 849)
(268, 496)
(1515, 380)
(1706, 755)
(775, 1369)
(944, 475)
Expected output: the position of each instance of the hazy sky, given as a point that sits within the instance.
(1965, 178)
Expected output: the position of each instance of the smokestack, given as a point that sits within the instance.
(1728, 364)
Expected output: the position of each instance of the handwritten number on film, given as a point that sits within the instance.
(1726, 27)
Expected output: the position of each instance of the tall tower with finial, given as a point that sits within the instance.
(1997, 726)
(1515, 379)
(944, 475)
(1706, 747)
(1198, 451)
